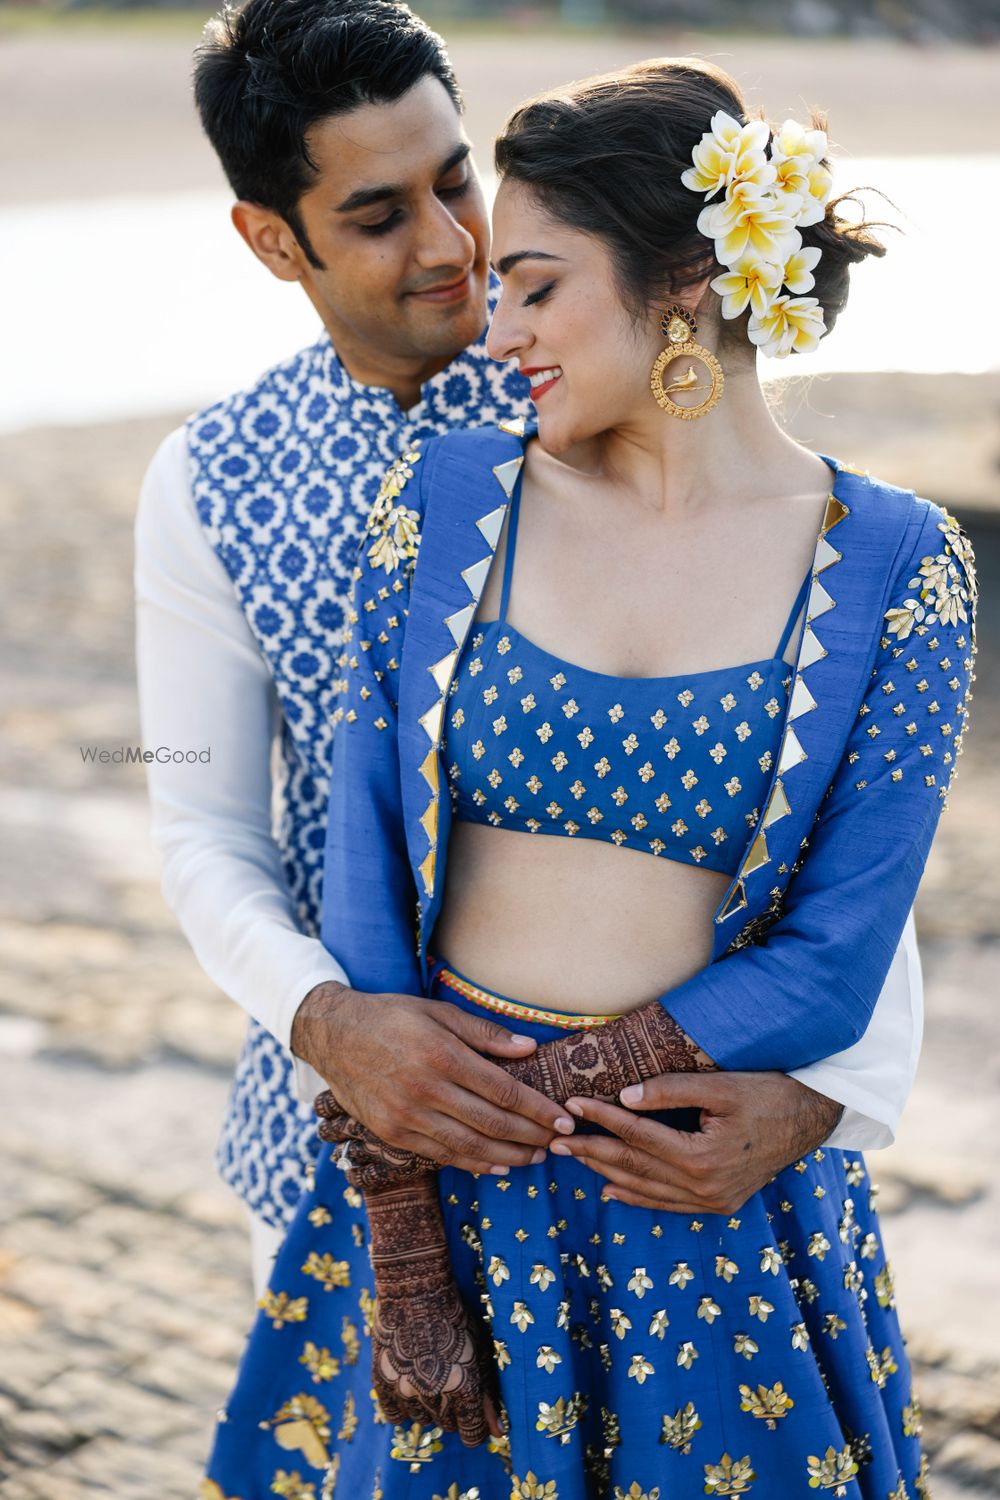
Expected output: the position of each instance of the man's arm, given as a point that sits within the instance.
(872, 1079)
(203, 683)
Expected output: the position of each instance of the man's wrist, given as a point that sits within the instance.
(822, 1114)
(314, 1017)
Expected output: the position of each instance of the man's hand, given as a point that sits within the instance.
(752, 1126)
(410, 1069)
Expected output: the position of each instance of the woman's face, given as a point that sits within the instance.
(562, 318)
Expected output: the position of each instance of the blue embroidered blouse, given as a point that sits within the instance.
(673, 766)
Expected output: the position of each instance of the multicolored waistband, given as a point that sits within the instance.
(504, 1007)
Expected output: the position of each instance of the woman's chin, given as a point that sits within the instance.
(556, 434)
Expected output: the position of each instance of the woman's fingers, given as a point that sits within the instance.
(492, 1417)
(467, 1405)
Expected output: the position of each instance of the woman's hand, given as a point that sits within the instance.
(432, 1360)
(598, 1063)
(369, 1161)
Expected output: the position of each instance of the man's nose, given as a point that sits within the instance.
(443, 240)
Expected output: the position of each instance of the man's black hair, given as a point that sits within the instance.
(268, 70)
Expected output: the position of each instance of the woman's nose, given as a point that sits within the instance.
(504, 339)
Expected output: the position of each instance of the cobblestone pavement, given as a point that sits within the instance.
(124, 1286)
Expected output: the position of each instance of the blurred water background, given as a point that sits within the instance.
(127, 300)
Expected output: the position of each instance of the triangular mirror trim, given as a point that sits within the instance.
(778, 805)
(812, 650)
(429, 769)
(430, 721)
(427, 872)
(442, 670)
(429, 820)
(507, 474)
(819, 601)
(826, 555)
(802, 701)
(514, 425)
(792, 753)
(735, 901)
(836, 510)
(459, 623)
(490, 526)
(475, 576)
(758, 855)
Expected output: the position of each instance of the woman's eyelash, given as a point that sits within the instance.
(539, 296)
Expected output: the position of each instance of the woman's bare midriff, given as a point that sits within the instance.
(572, 924)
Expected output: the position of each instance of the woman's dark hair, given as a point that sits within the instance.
(269, 70)
(605, 156)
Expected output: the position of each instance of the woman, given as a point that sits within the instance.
(562, 658)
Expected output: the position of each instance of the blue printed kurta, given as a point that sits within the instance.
(283, 476)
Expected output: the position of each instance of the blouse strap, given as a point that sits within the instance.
(508, 562)
(790, 623)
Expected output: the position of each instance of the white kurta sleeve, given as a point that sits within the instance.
(204, 685)
(873, 1078)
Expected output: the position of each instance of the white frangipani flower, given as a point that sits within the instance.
(751, 220)
(791, 324)
(773, 186)
(729, 152)
(793, 139)
(751, 282)
(796, 154)
(798, 269)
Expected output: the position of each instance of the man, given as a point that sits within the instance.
(338, 123)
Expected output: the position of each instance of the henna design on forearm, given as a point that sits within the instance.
(600, 1062)
(431, 1359)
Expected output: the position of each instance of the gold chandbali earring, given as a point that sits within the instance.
(680, 330)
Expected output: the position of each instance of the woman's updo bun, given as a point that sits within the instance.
(605, 156)
(842, 243)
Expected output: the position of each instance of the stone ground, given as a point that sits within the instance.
(124, 1285)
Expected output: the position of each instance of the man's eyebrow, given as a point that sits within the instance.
(365, 197)
(510, 261)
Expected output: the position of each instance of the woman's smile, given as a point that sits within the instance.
(542, 378)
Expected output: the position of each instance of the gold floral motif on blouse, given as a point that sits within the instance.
(394, 526)
(945, 585)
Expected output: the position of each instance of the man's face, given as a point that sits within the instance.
(397, 217)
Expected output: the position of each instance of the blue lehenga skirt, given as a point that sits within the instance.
(642, 1355)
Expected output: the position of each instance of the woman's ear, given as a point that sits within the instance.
(270, 238)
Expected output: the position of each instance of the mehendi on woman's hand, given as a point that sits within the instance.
(599, 1063)
(371, 1161)
(432, 1359)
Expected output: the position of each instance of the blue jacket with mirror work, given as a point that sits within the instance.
(804, 936)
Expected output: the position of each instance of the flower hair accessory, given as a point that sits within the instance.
(772, 186)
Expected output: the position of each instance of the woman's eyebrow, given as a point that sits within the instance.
(510, 261)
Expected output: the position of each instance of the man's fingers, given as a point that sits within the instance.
(683, 1091)
(483, 1035)
(673, 1149)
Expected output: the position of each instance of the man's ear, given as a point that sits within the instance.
(270, 239)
